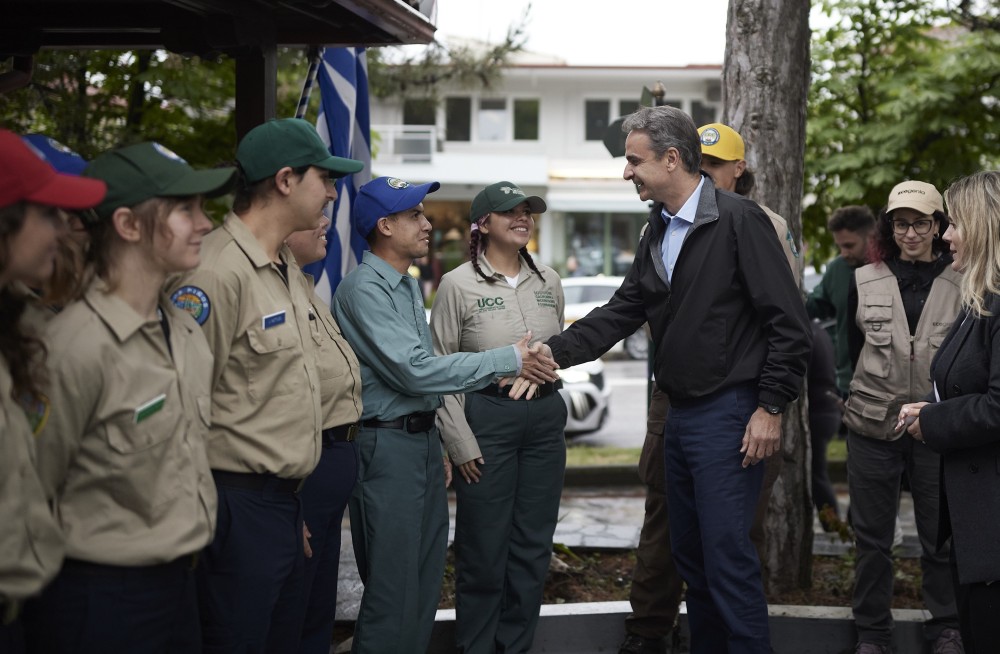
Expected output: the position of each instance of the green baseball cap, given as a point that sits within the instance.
(291, 142)
(503, 196)
(142, 171)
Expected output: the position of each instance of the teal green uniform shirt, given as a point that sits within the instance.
(382, 316)
(829, 300)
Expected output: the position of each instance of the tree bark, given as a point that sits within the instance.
(765, 83)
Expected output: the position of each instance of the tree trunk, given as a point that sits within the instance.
(765, 82)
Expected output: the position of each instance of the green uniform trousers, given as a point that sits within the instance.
(504, 524)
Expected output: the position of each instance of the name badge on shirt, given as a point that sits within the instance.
(147, 409)
(272, 320)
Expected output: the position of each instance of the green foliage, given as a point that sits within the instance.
(899, 92)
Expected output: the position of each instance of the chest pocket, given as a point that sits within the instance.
(876, 318)
(270, 366)
(877, 310)
(329, 359)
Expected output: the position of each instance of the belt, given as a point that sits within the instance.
(186, 562)
(340, 434)
(414, 423)
(544, 390)
(257, 481)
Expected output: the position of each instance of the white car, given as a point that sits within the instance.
(585, 393)
(584, 294)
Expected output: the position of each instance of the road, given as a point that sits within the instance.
(626, 423)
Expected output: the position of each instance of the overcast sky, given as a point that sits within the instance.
(598, 32)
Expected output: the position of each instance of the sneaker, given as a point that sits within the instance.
(634, 644)
(948, 642)
(871, 648)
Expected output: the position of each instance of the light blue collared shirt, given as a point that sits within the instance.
(381, 314)
(677, 228)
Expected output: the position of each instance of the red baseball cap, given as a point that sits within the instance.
(25, 176)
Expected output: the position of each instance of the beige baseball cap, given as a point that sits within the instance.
(920, 196)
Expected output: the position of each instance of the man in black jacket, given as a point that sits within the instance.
(731, 343)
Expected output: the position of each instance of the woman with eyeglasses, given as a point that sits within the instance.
(510, 455)
(904, 302)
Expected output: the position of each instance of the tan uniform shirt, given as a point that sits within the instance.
(265, 387)
(472, 315)
(338, 368)
(123, 452)
(31, 545)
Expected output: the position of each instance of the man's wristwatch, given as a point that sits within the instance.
(773, 409)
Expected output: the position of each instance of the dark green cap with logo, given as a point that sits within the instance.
(142, 171)
(503, 196)
(290, 142)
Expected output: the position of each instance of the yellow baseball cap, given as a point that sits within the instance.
(721, 141)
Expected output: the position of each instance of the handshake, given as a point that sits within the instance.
(537, 367)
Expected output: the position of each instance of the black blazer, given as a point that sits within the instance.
(964, 427)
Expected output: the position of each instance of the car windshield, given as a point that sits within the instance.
(590, 293)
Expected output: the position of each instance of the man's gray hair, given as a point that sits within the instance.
(668, 127)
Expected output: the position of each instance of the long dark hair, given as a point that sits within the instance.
(22, 351)
(480, 241)
(884, 247)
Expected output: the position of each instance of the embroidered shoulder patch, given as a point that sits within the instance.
(193, 300)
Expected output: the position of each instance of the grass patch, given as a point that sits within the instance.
(587, 455)
(837, 450)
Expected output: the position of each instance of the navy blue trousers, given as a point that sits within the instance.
(324, 498)
(712, 500)
(250, 577)
(102, 608)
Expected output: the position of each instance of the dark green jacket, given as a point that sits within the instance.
(829, 300)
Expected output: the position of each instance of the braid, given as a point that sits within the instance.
(474, 239)
(531, 262)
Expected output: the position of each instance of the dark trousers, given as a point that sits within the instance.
(504, 524)
(979, 614)
(874, 472)
(12, 637)
(657, 588)
(822, 427)
(91, 608)
(324, 498)
(712, 501)
(399, 525)
(250, 577)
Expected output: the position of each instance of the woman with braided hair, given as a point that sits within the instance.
(510, 454)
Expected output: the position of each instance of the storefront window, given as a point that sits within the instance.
(601, 243)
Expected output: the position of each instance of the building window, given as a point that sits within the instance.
(596, 116)
(626, 107)
(492, 119)
(419, 111)
(701, 113)
(458, 119)
(526, 119)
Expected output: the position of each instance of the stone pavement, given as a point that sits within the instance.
(607, 518)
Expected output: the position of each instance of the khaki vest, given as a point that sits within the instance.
(894, 367)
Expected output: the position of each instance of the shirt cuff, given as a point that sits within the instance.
(517, 357)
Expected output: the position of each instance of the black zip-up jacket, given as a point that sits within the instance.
(731, 315)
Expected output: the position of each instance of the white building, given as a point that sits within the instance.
(543, 128)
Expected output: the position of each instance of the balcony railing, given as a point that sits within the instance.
(406, 143)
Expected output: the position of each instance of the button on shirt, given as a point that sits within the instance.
(382, 316)
(122, 454)
(677, 228)
(265, 393)
(472, 315)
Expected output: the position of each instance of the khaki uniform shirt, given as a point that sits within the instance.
(31, 545)
(265, 387)
(472, 315)
(337, 365)
(122, 454)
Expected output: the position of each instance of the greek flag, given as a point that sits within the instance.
(344, 126)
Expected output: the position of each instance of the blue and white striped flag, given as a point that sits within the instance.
(344, 126)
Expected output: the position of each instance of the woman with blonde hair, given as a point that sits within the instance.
(962, 420)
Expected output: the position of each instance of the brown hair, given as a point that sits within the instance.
(23, 353)
(245, 194)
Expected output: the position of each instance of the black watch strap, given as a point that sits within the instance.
(773, 409)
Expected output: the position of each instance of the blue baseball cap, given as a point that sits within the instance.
(384, 196)
(58, 155)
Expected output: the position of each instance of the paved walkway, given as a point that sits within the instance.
(607, 518)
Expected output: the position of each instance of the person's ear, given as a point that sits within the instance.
(384, 226)
(484, 226)
(127, 225)
(283, 180)
(741, 166)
